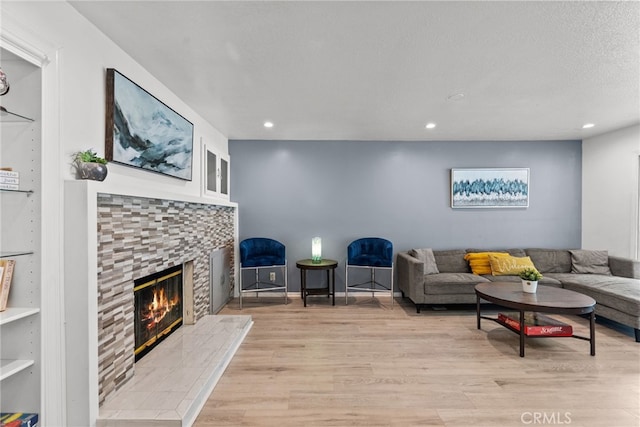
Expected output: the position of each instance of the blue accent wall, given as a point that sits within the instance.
(343, 190)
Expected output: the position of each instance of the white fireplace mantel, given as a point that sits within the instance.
(81, 282)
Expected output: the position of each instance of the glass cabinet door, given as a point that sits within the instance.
(224, 177)
(215, 167)
(212, 172)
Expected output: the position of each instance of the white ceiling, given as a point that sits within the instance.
(380, 70)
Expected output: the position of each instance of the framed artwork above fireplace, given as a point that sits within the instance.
(143, 132)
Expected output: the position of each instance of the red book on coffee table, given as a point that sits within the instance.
(536, 324)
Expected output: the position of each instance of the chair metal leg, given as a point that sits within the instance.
(391, 273)
(286, 286)
(240, 289)
(262, 286)
(257, 282)
(346, 285)
(373, 281)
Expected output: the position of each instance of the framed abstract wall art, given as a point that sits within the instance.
(143, 132)
(490, 188)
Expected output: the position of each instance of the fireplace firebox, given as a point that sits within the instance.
(158, 308)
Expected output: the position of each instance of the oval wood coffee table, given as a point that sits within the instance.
(547, 299)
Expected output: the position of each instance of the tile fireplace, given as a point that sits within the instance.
(114, 236)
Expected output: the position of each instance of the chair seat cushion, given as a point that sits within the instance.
(262, 261)
(368, 260)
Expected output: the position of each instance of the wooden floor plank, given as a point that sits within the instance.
(366, 364)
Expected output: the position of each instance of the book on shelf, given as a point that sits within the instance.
(536, 324)
(9, 186)
(9, 173)
(8, 266)
(9, 180)
(18, 419)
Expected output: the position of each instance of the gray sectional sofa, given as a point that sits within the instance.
(437, 277)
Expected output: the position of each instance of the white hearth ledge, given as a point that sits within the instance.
(173, 382)
(81, 283)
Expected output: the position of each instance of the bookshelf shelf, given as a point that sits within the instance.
(27, 192)
(9, 368)
(11, 314)
(7, 116)
(12, 254)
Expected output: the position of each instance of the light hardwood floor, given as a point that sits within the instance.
(366, 364)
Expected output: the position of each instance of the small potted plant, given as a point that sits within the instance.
(530, 277)
(89, 165)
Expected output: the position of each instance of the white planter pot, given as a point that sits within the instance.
(529, 286)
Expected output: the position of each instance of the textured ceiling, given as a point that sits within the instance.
(382, 70)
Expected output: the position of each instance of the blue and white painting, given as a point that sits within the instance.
(148, 134)
(490, 188)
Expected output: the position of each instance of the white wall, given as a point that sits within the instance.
(73, 118)
(610, 192)
(85, 53)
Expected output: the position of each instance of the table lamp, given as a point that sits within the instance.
(316, 250)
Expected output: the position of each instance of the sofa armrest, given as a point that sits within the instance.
(410, 276)
(624, 267)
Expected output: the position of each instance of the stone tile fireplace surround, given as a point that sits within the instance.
(136, 236)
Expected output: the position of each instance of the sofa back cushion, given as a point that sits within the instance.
(451, 261)
(590, 262)
(428, 260)
(550, 260)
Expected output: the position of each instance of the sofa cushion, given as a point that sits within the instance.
(479, 261)
(590, 262)
(451, 261)
(550, 260)
(427, 258)
(509, 265)
(451, 283)
(620, 293)
(512, 251)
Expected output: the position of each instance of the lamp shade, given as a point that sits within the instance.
(316, 249)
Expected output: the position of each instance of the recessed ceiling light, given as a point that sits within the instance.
(268, 124)
(587, 125)
(430, 125)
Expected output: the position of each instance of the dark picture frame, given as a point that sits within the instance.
(143, 132)
(490, 188)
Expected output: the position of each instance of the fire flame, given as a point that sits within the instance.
(159, 307)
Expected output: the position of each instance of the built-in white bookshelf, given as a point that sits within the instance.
(20, 236)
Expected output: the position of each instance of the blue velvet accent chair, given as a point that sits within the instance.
(372, 253)
(258, 254)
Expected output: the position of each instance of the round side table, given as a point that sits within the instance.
(326, 264)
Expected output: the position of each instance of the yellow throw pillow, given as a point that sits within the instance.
(509, 266)
(479, 261)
